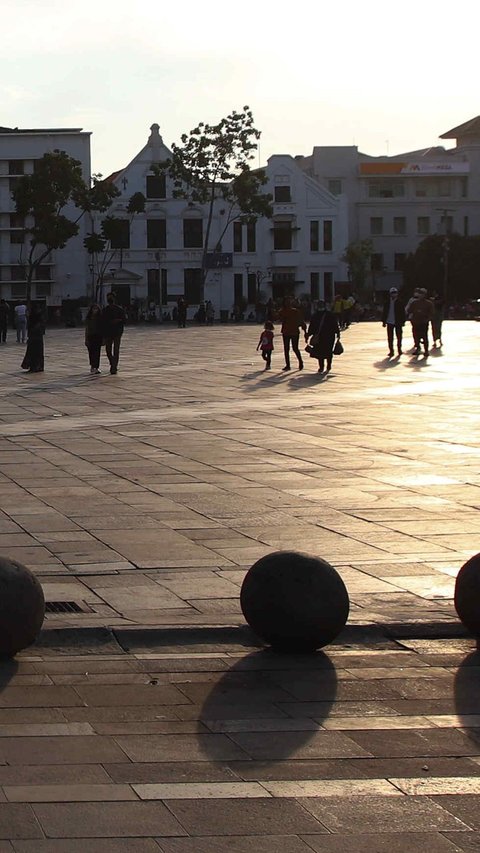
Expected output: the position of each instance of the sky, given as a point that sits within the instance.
(388, 78)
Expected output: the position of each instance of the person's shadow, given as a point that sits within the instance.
(387, 362)
(270, 705)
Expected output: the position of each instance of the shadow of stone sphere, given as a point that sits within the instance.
(258, 703)
(466, 688)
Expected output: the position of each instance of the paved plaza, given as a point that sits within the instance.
(151, 720)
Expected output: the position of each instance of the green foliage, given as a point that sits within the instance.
(213, 163)
(357, 256)
(136, 204)
(426, 266)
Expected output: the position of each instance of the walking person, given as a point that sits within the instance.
(393, 318)
(265, 343)
(292, 321)
(113, 320)
(437, 319)
(209, 312)
(94, 336)
(4, 313)
(21, 322)
(181, 312)
(323, 331)
(33, 360)
(421, 315)
(338, 309)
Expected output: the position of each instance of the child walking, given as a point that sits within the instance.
(265, 343)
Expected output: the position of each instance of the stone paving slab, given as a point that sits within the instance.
(335, 774)
(188, 466)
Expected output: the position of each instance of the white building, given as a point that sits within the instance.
(297, 251)
(64, 275)
(397, 201)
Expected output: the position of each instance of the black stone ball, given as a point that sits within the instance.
(22, 607)
(467, 595)
(294, 602)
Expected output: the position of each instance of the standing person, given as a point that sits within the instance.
(265, 343)
(421, 314)
(4, 312)
(393, 317)
(94, 336)
(437, 319)
(113, 319)
(210, 313)
(21, 322)
(34, 359)
(349, 305)
(339, 310)
(323, 331)
(292, 321)
(181, 312)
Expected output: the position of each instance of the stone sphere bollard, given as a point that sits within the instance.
(295, 602)
(467, 595)
(22, 607)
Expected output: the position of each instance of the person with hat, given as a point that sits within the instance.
(420, 314)
(393, 318)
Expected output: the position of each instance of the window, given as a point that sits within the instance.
(327, 235)
(433, 187)
(423, 225)
(155, 186)
(155, 277)
(282, 194)
(335, 186)
(12, 184)
(43, 273)
(328, 286)
(18, 291)
(446, 224)
(17, 222)
(399, 261)
(15, 167)
(192, 234)
(399, 225)
(282, 235)
(251, 237)
(314, 285)
(237, 289)
(251, 288)
(386, 188)
(376, 262)
(156, 233)
(314, 236)
(376, 225)
(237, 237)
(43, 289)
(120, 238)
(464, 187)
(193, 286)
(18, 273)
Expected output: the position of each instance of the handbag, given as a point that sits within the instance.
(338, 348)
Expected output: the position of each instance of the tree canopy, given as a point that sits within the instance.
(357, 256)
(213, 163)
(426, 266)
(51, 201)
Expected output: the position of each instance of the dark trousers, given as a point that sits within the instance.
(94, 347)
(321, 363)
(112, 348)
(3, 333)
(293, 340)
(398, 330)
(420, 333)
(267, 356)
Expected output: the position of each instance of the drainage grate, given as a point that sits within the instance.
(64, 607)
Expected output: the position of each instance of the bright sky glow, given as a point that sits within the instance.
(385, 78)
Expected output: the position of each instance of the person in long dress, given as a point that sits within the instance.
(322, 332)
(34, 358)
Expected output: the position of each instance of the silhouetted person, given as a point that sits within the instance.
(393, 317)
(113, 321)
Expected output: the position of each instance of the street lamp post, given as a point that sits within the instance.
(446, 249)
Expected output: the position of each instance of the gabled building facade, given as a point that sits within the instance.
(398, 201)
(63, 276)
(297, 251)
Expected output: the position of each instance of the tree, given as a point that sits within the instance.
(357, 256)
(104, 245)
(211, 165)
(446, 264)
(43, 199)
